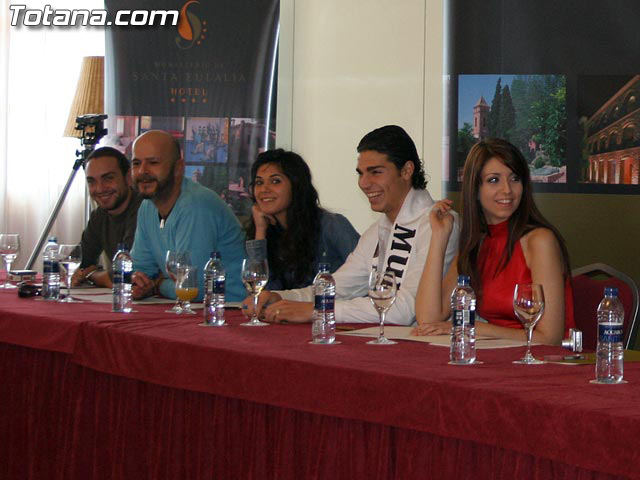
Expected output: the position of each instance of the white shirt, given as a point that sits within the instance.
(405, 245)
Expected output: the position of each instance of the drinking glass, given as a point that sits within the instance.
(382, 293)
(255, 274)
(173, 259)
(186, 287)
(69, 256)
(9, 248)
(528, 305)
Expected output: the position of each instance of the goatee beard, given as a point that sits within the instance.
(119, 201)
(164, 188)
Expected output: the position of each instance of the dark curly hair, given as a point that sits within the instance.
(291, 250)
(397, 145)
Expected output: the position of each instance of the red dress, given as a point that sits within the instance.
(496, 304)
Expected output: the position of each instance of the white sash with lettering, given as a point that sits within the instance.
(397, 247)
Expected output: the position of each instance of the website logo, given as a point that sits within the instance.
(191, 29)
(49, 17)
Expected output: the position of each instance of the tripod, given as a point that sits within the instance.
(92, 127)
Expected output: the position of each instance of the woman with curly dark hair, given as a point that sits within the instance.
(289, 224)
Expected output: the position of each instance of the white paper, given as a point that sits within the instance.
(404, 333)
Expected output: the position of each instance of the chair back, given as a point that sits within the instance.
(588, 289)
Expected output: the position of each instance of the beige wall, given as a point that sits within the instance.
(347, 67)
(598, 228)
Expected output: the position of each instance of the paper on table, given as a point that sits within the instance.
(108, 298)
(404, 333)
(105, 295)
(89, 291)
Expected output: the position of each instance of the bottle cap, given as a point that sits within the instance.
(122, 246)
(53, 239)
(216, 255)
(323, 267)
(611, 291)
(464, 280)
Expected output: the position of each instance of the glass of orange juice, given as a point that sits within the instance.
(186, 287)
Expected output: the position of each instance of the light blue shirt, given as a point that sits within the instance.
(199, 223)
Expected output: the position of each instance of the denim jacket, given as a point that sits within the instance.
(337, 240)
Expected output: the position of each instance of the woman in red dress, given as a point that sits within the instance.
(504, 240)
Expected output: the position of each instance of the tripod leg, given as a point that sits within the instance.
(52, 218)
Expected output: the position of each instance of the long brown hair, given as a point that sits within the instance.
(474, 224)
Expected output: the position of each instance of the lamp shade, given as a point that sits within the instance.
(89, 97)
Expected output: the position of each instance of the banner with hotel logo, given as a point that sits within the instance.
(560, 80)
(209, 79)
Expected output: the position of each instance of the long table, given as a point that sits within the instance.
(86, 393)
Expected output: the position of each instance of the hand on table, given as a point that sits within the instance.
(80, 275)
(265, 298)
(142, 286)
(438, 328)
(288, 310)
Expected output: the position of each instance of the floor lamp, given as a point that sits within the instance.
(86, 122)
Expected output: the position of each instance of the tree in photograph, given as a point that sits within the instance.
(549, 119)
(507, 117)
(466, 140)
(494, 114)
(522, 132)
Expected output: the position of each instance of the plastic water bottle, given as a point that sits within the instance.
(463, 329)
(323, 327)
(122, 271)
(610, 351)
(51, 270)
(214, 285)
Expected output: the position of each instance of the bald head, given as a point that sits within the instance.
(160, 140)
(157, 166)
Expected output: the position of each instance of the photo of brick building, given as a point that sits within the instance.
(612, 138)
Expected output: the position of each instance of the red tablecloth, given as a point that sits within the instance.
(402, 403)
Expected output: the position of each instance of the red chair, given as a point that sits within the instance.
(588, 289)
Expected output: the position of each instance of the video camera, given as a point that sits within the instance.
(92, 127)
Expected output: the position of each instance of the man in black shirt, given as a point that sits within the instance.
(114, 221)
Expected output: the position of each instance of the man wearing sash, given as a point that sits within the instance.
(391, 176)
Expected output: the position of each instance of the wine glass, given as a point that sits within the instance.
(382, 293)
(9, 248)
(528, 305)
(255, 274)
(173, 259)
(69, 256)
(186, 287)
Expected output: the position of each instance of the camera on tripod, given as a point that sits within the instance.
(92, 127)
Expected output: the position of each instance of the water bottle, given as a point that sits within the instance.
(51, 270)
(610, 351)
(214, 283)
(323, 327)
(463, 329)
(122, 270)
